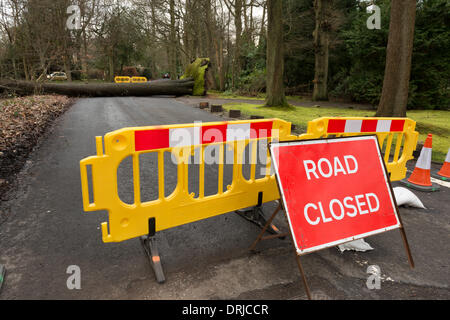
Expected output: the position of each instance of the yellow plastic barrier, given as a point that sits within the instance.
(128, 221)
(120, 79)
(397, 132)
(138, 79)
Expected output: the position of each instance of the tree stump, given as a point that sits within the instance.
(216, 108)
(234, 113)
(203, 105)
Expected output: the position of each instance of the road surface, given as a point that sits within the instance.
(46, 231)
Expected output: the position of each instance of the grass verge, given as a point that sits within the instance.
(428, 121)
(232, 96)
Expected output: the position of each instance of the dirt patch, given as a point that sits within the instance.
(23, 121)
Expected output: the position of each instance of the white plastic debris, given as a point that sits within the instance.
(403, 197)
(406, 197)
(356, 245)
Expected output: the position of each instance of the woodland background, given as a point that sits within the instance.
(153, 37)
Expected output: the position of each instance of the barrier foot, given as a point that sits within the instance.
(256, 215)
(151, 250)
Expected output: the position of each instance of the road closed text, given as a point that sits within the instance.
(326, 168)
(338, 209)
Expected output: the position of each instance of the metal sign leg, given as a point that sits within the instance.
(305, 283)
(408, 250)
(402, 229)
(260, 237)
(266, 227)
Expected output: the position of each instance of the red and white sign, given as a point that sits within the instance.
(333, 190)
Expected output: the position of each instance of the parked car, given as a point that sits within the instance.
(61, 76)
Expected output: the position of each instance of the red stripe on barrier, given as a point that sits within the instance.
(151, 139)
(159, 138)
(397, 125)
(336, 126)
(211, 134)
(369, 126)
(259, 130)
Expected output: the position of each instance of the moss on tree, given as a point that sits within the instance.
(197, 71)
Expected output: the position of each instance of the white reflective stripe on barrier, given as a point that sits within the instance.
(353, 126)
(182, 137)
(384, 126)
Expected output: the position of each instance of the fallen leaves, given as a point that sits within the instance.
(22, 121)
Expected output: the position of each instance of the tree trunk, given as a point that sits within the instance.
(153, 39)
(262, 32)
(394, 95)
(172, 43)
(237, 46)
(158, 87)
(84, 57)
(194, 83)
(321, 49)
(111, 68)
(275, 59)
(211, 40)
(25, 68)
(220, 65)
(15, 68)
(67, 68)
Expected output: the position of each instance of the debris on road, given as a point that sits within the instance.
(356, 245)
(407, 197)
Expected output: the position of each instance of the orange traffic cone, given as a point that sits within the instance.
(420, 179)
(444, 173)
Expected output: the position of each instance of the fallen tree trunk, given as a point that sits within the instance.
(157, 87)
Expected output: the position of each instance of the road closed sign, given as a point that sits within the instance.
(333, 190)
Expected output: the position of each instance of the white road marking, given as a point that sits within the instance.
(437, 181)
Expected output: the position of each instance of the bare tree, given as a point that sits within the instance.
(172, 42)
(321, 48)
(235, 8)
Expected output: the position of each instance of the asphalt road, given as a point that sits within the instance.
(46, 231)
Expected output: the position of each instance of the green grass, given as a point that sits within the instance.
(229, 95)
(438, 124)
(260, 96)
(428, 121)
